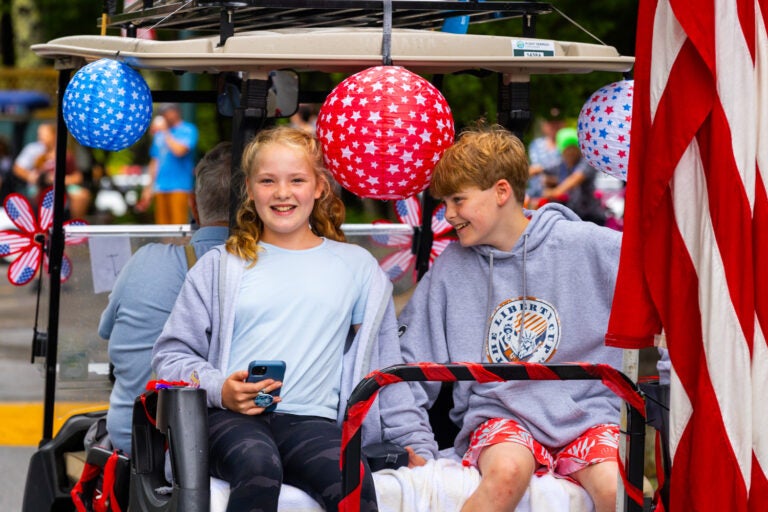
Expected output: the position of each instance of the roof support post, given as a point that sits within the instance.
(55, 256)
(248, 119)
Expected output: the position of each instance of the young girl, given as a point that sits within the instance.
(287, 288)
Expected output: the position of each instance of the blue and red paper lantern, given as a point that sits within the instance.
(604, 125)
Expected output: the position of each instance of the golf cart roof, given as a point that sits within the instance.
(339, 49)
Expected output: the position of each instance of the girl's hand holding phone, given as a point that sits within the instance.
(237, 395)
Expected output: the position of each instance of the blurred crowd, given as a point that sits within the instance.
(559, 173)
(157, 187)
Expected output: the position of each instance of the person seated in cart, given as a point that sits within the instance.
(146, 290)
(287, 288)
(527, 286)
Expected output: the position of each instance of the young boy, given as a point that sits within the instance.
(521, 286)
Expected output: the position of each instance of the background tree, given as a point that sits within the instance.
(614, 23)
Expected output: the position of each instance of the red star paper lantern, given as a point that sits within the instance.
(383, 130)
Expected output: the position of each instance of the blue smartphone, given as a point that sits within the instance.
(260, 370)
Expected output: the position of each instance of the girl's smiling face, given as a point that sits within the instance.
(284, 187)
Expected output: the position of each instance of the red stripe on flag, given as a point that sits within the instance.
(731, 215)
(694, 475)
(758, 495)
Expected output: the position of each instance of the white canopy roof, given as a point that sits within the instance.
(345, 50)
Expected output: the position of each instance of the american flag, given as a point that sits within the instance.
(696, 240)
(24, 268)
(18, 210)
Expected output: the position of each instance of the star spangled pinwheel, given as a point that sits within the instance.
(30, 241)
(408, 211)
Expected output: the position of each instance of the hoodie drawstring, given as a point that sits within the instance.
(489, 301)
(525, 291)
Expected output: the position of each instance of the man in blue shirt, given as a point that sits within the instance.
(174, 143)
(146, 290)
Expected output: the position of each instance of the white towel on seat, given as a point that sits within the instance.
(441, 485)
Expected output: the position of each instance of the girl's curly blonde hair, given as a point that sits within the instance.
(327, 213)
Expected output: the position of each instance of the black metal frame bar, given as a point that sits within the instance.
(369, 386)
(56, 254)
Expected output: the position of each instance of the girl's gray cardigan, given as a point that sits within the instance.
(195, 342)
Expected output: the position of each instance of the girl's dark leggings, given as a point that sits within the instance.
(256, 454)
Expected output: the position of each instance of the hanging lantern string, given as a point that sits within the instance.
(171, 14)
(593, 36)
(386, 40)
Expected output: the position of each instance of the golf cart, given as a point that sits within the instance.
(254, 50)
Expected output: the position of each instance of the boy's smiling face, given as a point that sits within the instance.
(476, 216)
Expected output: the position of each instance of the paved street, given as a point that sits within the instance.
(20, 382)
(13, 467)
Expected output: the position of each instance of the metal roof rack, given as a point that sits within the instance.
(271, 14)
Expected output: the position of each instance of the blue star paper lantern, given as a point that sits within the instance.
(107, 105)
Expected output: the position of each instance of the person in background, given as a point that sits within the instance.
(573, 180)
(520, 286)
(36, 167)
(287, 287)
(172, 157)
(304, 118)
(543, 154)
(146, 290)
(7, 178)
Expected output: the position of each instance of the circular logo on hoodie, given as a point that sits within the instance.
(523, 330)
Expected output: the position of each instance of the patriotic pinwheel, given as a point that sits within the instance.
(409, 212)
(29, 243)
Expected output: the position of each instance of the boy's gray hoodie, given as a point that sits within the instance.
(205, 305)
(558, 282)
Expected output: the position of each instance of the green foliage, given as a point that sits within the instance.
(612, 22)
(70, 17)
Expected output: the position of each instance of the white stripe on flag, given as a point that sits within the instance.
(727, 352)
(736, 91)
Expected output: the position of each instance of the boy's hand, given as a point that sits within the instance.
(414, 459)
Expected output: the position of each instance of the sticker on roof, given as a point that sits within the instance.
(532, 48)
